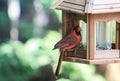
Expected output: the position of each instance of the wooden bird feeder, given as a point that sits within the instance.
(100, 22)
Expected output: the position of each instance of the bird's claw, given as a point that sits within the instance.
(75, 50)
(71, 49)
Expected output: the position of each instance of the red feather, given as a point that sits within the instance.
(72, 40)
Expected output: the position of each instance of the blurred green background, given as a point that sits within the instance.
(28, 31)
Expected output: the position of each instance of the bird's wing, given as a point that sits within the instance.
(67, 41)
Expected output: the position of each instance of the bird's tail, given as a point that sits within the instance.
(54, 48)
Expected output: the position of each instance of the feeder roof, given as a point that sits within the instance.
(89, 6)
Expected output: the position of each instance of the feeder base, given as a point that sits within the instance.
(96, 61)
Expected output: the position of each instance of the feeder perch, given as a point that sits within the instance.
(100, 23)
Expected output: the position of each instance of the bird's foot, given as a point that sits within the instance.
(75, 50)
(71, 49)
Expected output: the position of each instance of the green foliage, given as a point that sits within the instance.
(19, 61)
(81, 72)
(55, 16)
(62, 79)
(48, 3)
(40, 50)
(4, 26)
(11, 64)
(25, 30)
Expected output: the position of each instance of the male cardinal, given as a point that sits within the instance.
(72, 40)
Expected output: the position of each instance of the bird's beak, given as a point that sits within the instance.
(79, 29)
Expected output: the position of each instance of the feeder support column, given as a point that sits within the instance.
(91, 37)
(117, 35)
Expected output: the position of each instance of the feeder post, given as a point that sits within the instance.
(117, 35)
(91, 37)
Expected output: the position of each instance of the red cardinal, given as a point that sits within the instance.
(67, 43)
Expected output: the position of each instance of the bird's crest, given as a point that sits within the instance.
(77, 28)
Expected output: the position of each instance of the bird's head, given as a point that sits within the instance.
(77, 30)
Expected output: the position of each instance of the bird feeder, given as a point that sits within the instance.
(100, 23)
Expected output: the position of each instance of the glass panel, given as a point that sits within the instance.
(83, 26)
(105, 35)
